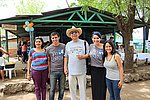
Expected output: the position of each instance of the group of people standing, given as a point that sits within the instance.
(59, 60)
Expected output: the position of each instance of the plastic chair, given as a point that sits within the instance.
(9, 70)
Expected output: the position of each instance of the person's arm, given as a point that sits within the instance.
(84, 56)
(49, 64)
(65, 65)
(28, 69)
(120, 66)
(3, 51)
(49, 61)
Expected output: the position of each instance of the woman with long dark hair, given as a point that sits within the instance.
(114, 70)
(38, 63)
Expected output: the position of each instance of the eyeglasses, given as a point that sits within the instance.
(74, 32)
(54, 37)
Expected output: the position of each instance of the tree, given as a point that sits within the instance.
(143, 13)
(124, 14)
(30, 7)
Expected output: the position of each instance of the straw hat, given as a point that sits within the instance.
(73, 29)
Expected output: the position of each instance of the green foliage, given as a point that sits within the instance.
(73, 4)
(120, 7)
(30, 7)
(143, 10)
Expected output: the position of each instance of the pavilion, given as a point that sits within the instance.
(62, 19)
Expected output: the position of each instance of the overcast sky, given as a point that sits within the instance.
(8, 8)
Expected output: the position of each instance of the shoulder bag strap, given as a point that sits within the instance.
(85, 46)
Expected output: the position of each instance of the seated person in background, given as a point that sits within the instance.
(2, 62)
(121, 49)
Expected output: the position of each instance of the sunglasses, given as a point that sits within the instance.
(73, 32)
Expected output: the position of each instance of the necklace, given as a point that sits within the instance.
(109, 57)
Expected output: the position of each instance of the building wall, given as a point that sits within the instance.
(12, 46)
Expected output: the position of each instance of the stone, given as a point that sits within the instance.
(136, 77)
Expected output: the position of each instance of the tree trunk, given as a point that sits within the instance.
(147, 31)
(126, 28)
(129, 52)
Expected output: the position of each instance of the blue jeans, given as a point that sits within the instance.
(54, 77)
(113, 89)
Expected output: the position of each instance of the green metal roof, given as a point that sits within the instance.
(61, 19)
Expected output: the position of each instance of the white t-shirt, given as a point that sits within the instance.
(76, 66)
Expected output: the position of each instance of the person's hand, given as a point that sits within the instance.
(29, 77)
(80, 57)
(65, 71)
(49, 75)
(120, 84)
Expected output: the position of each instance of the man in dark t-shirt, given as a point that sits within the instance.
(55, 53)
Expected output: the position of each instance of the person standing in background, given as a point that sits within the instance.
(121, 49)
(111, 39)
(98, 71)
(38, 63)
(28, 46)
(2, 62)
(55, 53)
(116, 46)
(75, 63)
(114, 70)
(19, 52)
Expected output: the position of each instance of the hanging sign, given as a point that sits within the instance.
(9, 27)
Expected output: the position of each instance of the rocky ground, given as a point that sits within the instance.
(138, 87)
(131, 91)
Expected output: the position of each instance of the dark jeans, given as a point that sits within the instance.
(113, 89)
(54, 77)
(25, 56)
(40, 78)
(98, 83)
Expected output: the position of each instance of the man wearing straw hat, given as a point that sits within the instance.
(75, 63)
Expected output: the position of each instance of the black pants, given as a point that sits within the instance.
(1, 67)
(98, 82)
(25, 56)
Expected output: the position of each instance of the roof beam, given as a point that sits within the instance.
(13, 21)
(100, 18)
(80, 16)
(102, 15)
(91, 17)
(85, 15)
(71, 16)
(73, 21)
(71, 25)
(56, 15)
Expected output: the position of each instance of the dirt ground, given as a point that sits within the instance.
(131, 91)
